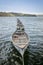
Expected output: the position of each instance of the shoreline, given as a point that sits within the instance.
(12, 14)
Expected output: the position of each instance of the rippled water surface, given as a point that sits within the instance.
(34, 52)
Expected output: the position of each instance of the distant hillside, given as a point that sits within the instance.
(14, 14)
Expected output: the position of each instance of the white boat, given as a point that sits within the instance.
(20, 38)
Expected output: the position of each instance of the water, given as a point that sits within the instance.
(34, 52)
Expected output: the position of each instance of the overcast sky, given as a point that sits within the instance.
(25, 6)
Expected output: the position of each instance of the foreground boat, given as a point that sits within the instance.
(20, 38)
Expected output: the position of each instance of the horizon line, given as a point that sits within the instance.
(24, 12)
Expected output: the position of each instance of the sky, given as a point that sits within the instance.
(22, 6)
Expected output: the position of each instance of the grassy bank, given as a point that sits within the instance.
(15, 14)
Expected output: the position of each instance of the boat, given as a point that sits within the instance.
(20, 38)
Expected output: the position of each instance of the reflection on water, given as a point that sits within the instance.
(34, 52)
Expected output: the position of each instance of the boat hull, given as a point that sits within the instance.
(20, 50)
